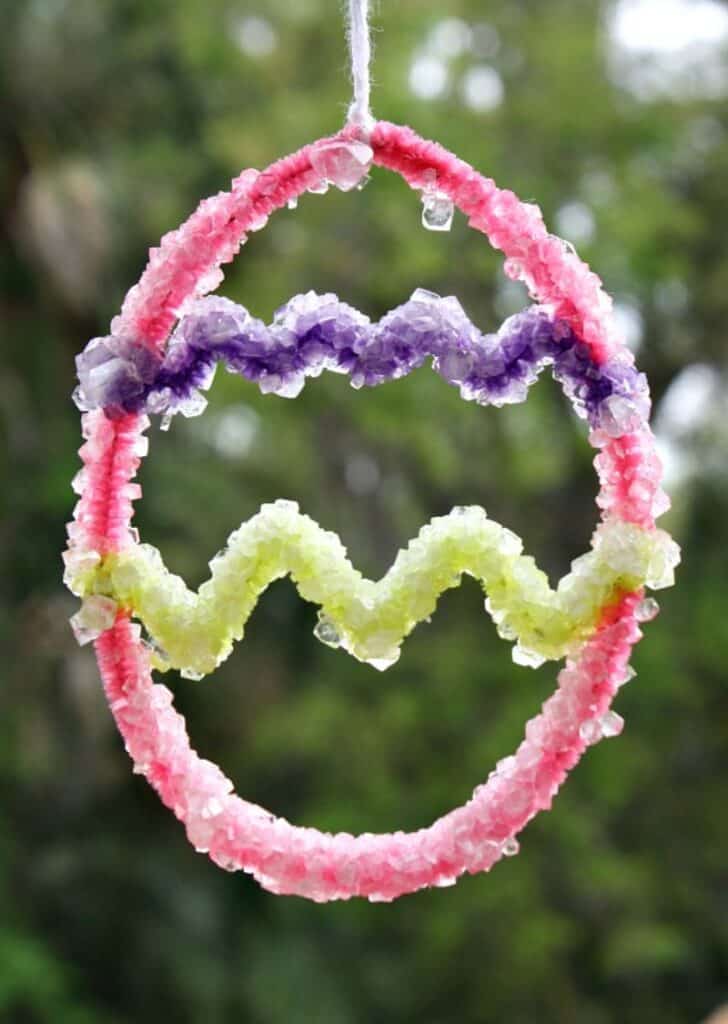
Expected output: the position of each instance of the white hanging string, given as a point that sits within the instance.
(361, 54)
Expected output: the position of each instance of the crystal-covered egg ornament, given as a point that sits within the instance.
(160, 356)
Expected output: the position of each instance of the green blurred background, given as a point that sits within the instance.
(116, 116)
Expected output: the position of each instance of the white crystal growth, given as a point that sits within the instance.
(96, 614)
(326, 632)
(628, 676)
(647, 610)
(590, 731)
(195, 405)
(382, 664)
(438, 211)
(188, 673)
(529, 659)
(80, 565)
(611, 724)
(619, 415)
(344, 164)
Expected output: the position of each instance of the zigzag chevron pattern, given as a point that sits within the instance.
(194, 632)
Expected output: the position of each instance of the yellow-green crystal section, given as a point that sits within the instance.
(195, 632)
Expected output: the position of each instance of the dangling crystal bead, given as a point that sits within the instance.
(611, 724)
(382, 664)
(647, 610)
(437, 211)
(194, 405)
(326, 632)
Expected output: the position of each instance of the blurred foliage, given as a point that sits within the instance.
(116, 117)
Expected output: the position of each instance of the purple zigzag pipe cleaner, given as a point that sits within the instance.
(312, 333)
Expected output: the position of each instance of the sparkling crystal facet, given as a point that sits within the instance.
(326, 632)
(438, 211)
(342, 163)
(611, 724)
(590, 731)
(188, 673)
(530, 659)
(647, 610)
(96, 614)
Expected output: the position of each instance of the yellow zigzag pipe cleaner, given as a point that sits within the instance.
(194, 632)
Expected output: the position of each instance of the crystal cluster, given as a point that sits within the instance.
(312, 333)
(96, 614)
(594, 615)
(115, 374)
(343, 163)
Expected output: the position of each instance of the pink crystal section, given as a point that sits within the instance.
(344, 163)
(238, 835)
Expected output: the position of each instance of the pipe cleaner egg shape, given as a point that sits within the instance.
(161, 355)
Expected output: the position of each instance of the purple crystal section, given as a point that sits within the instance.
(312, 333)
(115, 373)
